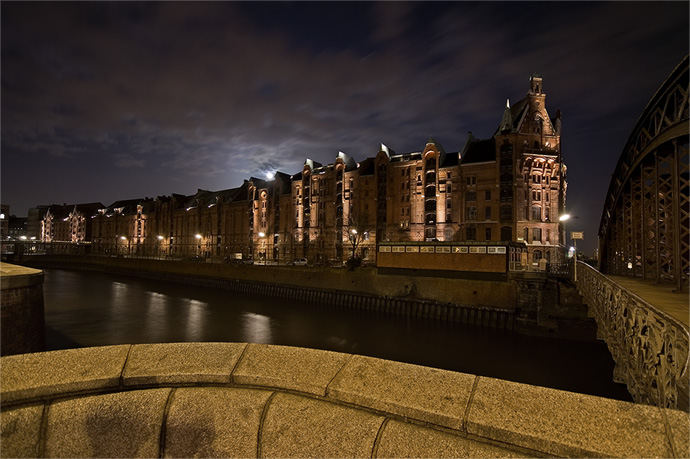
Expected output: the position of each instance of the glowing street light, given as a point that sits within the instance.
(160, 238)
(23, 238)
(564, 217)
(262, 234)
(197, 236)
(353, 231)
(123, 238)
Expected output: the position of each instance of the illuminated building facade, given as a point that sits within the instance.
(510, 187)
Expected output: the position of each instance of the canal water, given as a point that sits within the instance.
(94, 309)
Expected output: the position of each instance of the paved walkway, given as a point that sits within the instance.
(659, 295)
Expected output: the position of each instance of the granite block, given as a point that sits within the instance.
(401, 439)
(27, 376)
(562, 423)
(15, 276)
(123, 424)
(172, 363)
(20, 431)
(679, 422)
(427, 394)
(300, 369)
(298, 426)
(214, 422)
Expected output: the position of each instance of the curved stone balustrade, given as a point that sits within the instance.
(238, 399)
(650, 348)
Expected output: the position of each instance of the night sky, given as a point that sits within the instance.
(107, 101)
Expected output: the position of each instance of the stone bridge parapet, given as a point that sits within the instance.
(256, 400)
(650, 347)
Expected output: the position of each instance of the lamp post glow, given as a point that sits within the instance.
(262, 234)
(198, 241)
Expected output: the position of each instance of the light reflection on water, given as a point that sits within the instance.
(155, 314)
(195, 320)
(257, 328)
(94, 309)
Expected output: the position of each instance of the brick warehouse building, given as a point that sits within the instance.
(509, 187)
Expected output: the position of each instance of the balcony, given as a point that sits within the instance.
(540, 151)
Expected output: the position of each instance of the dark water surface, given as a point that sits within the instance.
(94, 309)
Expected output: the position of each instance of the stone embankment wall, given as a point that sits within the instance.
(255, 400)
(21, 305)
(487, 303)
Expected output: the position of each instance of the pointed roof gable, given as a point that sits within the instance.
(348, 161)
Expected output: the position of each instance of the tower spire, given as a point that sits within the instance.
(507, 120)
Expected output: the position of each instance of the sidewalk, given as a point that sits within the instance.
(660, 296)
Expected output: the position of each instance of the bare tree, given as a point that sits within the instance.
(359, 230)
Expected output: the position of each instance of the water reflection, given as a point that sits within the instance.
(93, 309)
(155, 315)
(195, 320)
(257, 328)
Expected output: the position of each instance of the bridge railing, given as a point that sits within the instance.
(649, 347)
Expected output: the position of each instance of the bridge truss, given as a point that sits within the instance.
(644, 226)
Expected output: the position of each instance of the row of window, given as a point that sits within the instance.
(537, 178)
(472, 195)
(536, 235)
(471, 213)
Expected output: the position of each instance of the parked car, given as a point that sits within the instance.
(300, 262)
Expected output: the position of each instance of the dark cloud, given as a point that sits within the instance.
(103, 101)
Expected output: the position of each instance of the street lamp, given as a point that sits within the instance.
(198, 247)
(564, 218)
(262, 252)
(123, 239)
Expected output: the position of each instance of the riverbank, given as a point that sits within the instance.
(485, 303)
(530, 303)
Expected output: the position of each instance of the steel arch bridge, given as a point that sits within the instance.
(644, 225)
